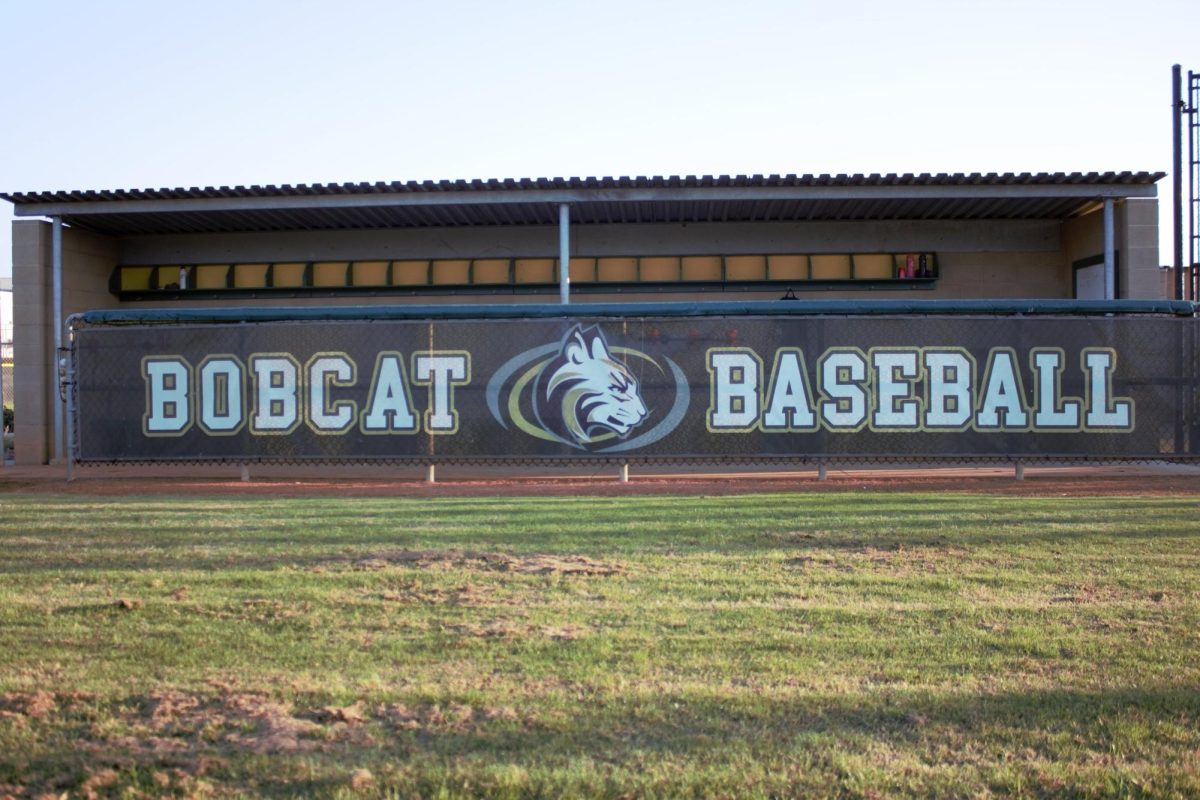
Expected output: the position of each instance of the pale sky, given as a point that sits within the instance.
(147, 93)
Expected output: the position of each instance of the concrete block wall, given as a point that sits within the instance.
(1002, 259)
(1016, 275)
(595, 240)
(1135, 237)
(32, 341)
(88, 260)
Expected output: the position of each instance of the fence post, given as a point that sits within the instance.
(69, 388)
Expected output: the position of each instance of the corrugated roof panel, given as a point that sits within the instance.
(106, 211)
(527, 184)
(604, 213)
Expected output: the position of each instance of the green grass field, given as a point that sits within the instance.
(840, 645)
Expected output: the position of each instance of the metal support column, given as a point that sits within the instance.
(564, 253)
(1110, 267)
(56, 302)
(1192, 109)
(1177, 177)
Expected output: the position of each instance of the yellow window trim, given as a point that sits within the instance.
(789, 268)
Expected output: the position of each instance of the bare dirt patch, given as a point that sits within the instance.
(256, 609)
(245, 720)
(184, 734)
(98, 782)
(416, 592)
(453, 717)
(32, 705)
(492, 562)
(361, 780)
(176, 737)
(509, 629)
(352, 714)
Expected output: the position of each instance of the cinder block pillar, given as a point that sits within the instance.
(88, 260)
(1137, 242)
(33, 341)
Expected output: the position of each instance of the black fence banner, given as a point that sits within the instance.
(630, 389)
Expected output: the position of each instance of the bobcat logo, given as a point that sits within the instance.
(583, 394)
(579, 393)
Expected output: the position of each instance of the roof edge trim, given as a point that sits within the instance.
(57, 205)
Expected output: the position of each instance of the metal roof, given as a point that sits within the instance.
(527, 201)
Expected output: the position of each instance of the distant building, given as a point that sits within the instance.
(6, 321)
(6, 340)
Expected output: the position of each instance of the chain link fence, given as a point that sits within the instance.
(6, 364)
(7, 394)
(754, 385)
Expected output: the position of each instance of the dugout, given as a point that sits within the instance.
(700, 239)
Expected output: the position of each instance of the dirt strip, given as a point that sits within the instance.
(1147, 480)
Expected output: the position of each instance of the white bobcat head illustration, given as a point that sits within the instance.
(583, 393)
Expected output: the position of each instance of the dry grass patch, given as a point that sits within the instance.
(510, 629)
(492, 562)
(416, 592)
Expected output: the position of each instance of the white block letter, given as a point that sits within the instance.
(168, 410)
(789, 404)
(949, 380)
(1053, 410)
(389, 408)
(221, 395)
(326, 370)
(442, 371)
(843, 373)
(895, 374)
(733, 380)
(275, 387)
(1002, 392)
(1105, 412)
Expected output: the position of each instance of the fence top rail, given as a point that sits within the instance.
(760, 308)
